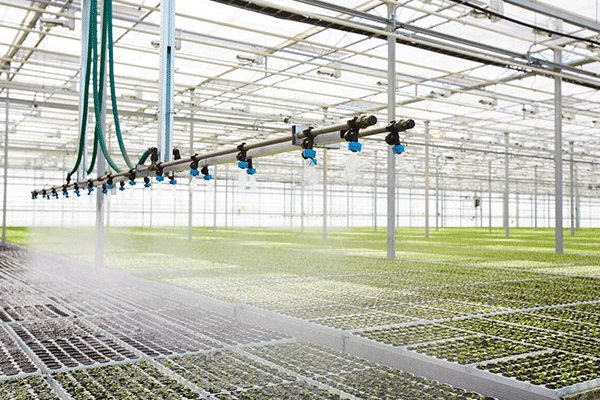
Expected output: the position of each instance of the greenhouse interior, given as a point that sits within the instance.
(300, 199)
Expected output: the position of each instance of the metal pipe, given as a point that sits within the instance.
(5, 183)
(572, 188)
(535, 201)
(391, 157)
(325, 160)
(215, 205)
(426, 179)
(437, 193)
(490, 196)
(375, 195)
(190, 187)
(101, 170)
(166, 80)
(506, 188)
(558, 164)
(229, 155)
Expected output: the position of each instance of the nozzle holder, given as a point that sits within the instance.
(172, 180)
(132, 175)
(207, 175)
(153, 155)
(76, 189)
(355, 147)
(109, 183)
(147, 183)
(251, 170)
(176, 154)
(104, 188)
(34, 195)
(122, 186)
(241, 156)
(309, 153)
(194, 166)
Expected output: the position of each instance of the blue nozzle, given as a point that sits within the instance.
(104, 191)
(77, 192)
(243, 164)
(398, 149)
(309, 153)
(160, 178)
(122, 188)
(147, 185)
(66, 194)
(251, 171)
(173, 181)
(90, 190)
(132, 183)
(354, 147)
(208, 177)
(194, 172)
(109, 186)
(33, 197)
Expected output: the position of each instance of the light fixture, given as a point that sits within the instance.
(251, 59)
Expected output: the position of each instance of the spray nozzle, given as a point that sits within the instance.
(351, 134)
(147, 183)
(109, 183)
(176, 154)
(65, 192)
(194, 166)
(34, 195)
(207, 175)
(76, 189)
(122, 186)
(104, 188)
(132, 176)
(172, 180)
(90, 187)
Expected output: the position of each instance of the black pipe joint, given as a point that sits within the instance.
(176, 154)
(351, 134)
(154, 155)
(241, 156)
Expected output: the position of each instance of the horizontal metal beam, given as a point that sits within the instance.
(563, 15)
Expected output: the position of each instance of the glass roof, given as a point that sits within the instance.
(247, 76)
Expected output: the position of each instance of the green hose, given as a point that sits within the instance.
(108, 8)
(86, 94)
(144, 157)
(99, 92)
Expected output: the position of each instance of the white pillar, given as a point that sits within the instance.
(166, 80)
(506, 187)
(391, 157)
(558, 162)
(426, 179)
(325, 160)
(5, 183)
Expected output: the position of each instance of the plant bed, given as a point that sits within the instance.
(413, 334)
(553, 370)
(472, 350)
(122, 382)
(360, 321)
(29, 388)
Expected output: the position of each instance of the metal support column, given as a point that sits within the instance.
(302, 201)
(535, 197)
(325, 161)
(437, 193)
(391, 158)
(191, 185)
(506, 187)
(215, 203)
(558, 162)
(348, 205)
(572, 187)
(516, 209)
(426, 179)
(85, 31)
(577, 203)
(101, 170)
(165, 102)
(490, 196)
(5, 182)
(375, 196)
(227, 194)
